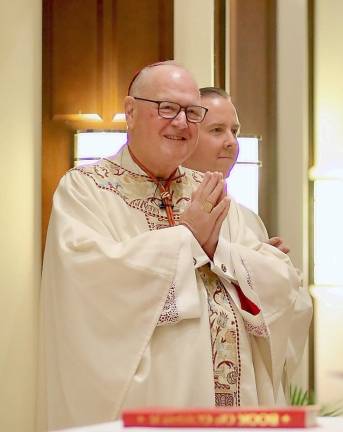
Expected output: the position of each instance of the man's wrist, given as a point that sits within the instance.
(187, 225)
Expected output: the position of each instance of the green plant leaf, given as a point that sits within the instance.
(300, 397)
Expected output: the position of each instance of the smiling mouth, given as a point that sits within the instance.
(175, 137)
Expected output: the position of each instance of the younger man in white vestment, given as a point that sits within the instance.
(154, 292)
(218, 149)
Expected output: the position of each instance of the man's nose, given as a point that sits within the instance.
(230, 140)
(181, 119)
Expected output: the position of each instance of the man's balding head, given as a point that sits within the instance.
(139, 78)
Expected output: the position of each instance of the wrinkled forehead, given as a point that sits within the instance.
(169, 82)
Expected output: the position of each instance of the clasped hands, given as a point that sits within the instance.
(206, 212)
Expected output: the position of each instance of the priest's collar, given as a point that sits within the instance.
(126, 161)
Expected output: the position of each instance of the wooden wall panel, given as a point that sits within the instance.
(253, 87)
(142, 41)
(77, 56)
(220, 12)
(91, 49)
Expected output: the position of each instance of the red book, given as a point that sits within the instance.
(235, 417)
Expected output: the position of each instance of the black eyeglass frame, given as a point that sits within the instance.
(184, 108)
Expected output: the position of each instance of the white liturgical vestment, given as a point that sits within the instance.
(135, 314)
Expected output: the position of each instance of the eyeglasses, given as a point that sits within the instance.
(170, 110)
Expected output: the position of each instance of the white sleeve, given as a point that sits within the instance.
(268, 279)
(254, 222)
(101, 301)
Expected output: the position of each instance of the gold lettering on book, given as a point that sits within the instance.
(205, 419)
(285, 418)
(258, 419)
(241, 419)
(154, 419)
(225, 420)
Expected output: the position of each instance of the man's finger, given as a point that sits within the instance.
(222, 206)
(221, 218)
(224, 192)
(198, 191)
(210, 186)
(275, 241)
(278, 243)
(218, 224)
(217, 192)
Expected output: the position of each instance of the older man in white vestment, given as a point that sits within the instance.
(154, 292)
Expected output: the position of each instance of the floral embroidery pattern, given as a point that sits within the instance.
(140, 192)
(254, 324)
(169, 313)
(248, 276)
(225, 341)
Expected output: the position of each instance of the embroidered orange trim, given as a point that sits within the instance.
(163, 188)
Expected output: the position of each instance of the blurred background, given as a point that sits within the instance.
(64, 69)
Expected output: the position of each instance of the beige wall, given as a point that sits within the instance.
(193, 38)
(293, 163)
(292, 127)
(20, 129)
(328, 111)
(292, 140)
(328, 84)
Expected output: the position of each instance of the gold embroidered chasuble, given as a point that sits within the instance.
(135, 314)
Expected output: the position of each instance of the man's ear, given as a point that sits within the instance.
(129, 106)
